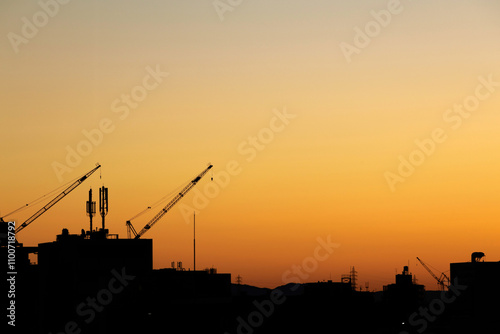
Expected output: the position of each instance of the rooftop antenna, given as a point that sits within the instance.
(353, 278)
(90, 208)
(103, 203)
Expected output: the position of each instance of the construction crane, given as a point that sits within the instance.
(166, 208)
(55, 199)
(440, 280)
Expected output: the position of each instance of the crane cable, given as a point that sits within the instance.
(41, 198)
(439, 271)
(157, 203)
(161, 200)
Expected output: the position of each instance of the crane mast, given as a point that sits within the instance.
(130, 229)
(167, 207)
(56, 199)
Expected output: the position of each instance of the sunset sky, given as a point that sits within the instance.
(156, 90)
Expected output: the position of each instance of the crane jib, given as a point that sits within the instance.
(56, 200)
(176, 199)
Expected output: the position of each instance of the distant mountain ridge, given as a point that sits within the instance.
(290, 289)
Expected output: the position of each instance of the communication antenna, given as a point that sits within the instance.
(353, 278)
(103, 203)
(90, 208)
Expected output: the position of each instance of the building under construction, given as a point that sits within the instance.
(96, 282)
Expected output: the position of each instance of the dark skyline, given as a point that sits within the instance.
(342, 134)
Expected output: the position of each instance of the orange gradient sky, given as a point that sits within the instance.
(321, 174)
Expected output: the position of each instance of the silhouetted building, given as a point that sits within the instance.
(25, 277)
(196, 301)
(478, 285)
(98, 283)
(403, 297)
(92, 265)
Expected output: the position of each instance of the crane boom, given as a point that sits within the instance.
(440, 281)
(56, 199)
(170, 204)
